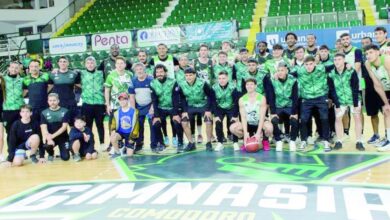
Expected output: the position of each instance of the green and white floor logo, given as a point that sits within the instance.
(220, 186)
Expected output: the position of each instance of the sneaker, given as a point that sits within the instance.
(385, 147)
(236, 147)
(209, 147)
(219, 147)
(381, 143)
(230, 137)
(180, 148)
(224, 140)
(190, 147)
(310, 140)
(266, 145)
(359, 146)
(102, 147)
(108, 149)
(2, 158)
(50, 158)
(242, 148)
(286, 138)
(155, 150)
(214, 139)
(338, 145)
(279, 145)
(302, 146)
(113, 156)
(327, 147)
(166, 141)
(374, 139)
(77, 158)
(33, 158)
(174, 142)
(199, 139)
(161, 148)
(292, 145)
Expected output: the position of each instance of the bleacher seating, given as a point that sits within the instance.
(114, 15)
(381, 7)
(197, 11)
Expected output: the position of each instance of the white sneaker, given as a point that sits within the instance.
(2, 158)
(112, 151)
(219, 147)
(303, 145)
(236, 147)
(279, 145)
(310, 140)
(381, 143)
(102, 147)
(385, 147)
(292, 146)
(327, 147)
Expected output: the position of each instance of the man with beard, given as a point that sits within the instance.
(169, 61)
(108, 64)
(143, 58)
(381, 38)
(263, 54)
(165, 103)
(291, 40)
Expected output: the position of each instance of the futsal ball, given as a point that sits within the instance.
(252, 145)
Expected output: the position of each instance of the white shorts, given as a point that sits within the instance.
(345, 108)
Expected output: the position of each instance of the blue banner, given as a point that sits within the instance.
(207, 32)
(324, 36)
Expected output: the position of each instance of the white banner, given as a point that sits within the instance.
(152, 37)
(68, 45)
(104, 41)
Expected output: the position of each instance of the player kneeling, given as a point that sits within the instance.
(252, 107)
(82, 141)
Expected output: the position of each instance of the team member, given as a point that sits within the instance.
(195, 98)
(169, 61)
(311, 47)
(263, 54)
(143, 58)
(240, 69)
(165, 103)
(284, 106)
(227, 48)
(277, 57)
(54, 124)
(346, 85)
(252, 108)
(92, 95)
(313, 90)
(143, 103)
(25, 135)
(82, 141)
(36, 85)
(381, 38)
(13, 96)
(299, 56)
(324, 56)
(378, 67)
(63, 83)
(291, 40)
(226, 99)
(109, 64)
(124, 126)
(203, 65)
(222, 65)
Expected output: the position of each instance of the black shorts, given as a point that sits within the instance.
(221, 113)
(126, 138)
(252, 129)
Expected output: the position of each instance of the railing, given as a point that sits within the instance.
(315, 18)
(61, 18)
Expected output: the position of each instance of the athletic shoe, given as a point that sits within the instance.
(385, 147)
(50, 158)
(174, 142)
(33, 158)
(224, 140)
(381, 143)
(199, 139)
(242, 148)
(166, 141)
(236, 147)
(190, 147)
(219, 147)
(310, 140)
(161, 147)
(374, 139)
(113, 156)
(359, 146)
(279, 145)
(180, 149)
(77, 158)
(209, 147)
(327, 147)
(292, 146)
(266, 145)
(102, 147)
(214, 139)
(286, 138)
(155, 150)
(302, 146)
(108, 149)
(2, 158)
(338, 145)
(230, 137)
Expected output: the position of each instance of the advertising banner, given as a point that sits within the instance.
(68, 45)
(207, 32)
(152, 37)
(106, 40)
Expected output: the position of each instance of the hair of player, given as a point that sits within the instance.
(292, 34)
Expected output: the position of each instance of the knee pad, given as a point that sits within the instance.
(275, 120)
(208, 120)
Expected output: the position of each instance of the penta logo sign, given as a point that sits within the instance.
(202, 200)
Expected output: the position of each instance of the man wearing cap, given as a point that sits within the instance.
(165, 97)
(196, 98)
(169, 61)
(108, 64)
(124, 126)
(284, 107)
(277, 56)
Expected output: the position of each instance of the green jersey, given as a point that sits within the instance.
(271, 66)
(223, 96)
(241, 73)
(283, 91)
(194, 94)
(381, 73)
(204, 71)
(252, 109)
(118, 84)
(344, 84)
(312, 85)
(93, 87)
(13, 93)
(164, 92)
(259, 76)
(180, 76)
(223, 67)
(54, 119)
(327, 62)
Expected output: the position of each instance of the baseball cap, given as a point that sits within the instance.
(123, 95)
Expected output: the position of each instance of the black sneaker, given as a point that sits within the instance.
(190, 147)
(180, 148)
(360, 147)
(209, 147)
(338, 145)
(33, 158)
